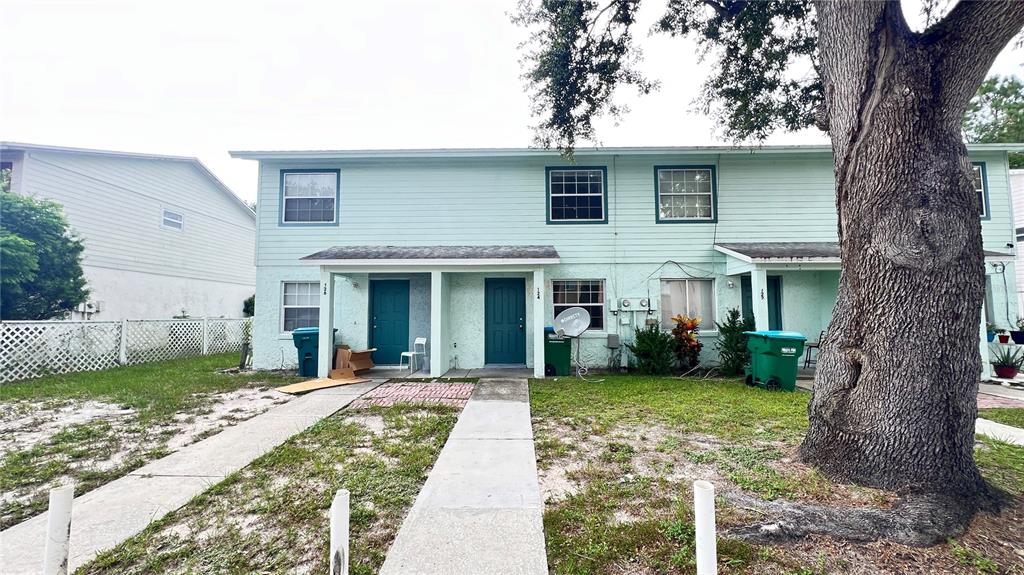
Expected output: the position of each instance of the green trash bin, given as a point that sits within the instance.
(307, 342)
(774, 356)
(557, 353)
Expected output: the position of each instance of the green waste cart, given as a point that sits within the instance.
(774, 356)
(557, 353)
(307, 342)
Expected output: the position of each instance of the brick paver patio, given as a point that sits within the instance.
(454, 394)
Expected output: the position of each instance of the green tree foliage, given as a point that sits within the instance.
(733, 355)
(41, 268)
(996, 114)
(581, 50)
(249, 306)
(654, 351)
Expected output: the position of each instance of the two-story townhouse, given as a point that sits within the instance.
(477, 250)
(162, 235)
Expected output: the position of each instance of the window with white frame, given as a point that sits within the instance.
(300, 305)
(686, 194)
(309, 197)
(690, 297)
(587, 294)
(979, 187)
(576, 195)
(174, 220)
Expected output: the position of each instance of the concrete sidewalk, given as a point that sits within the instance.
(1000, 431)
(108, 515)
(480, 511)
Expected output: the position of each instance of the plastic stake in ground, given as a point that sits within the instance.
(58, 531)
(339, 533)
(704, 527)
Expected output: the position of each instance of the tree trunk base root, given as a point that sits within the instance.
(916, 520)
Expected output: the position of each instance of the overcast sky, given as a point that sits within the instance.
(199, 78)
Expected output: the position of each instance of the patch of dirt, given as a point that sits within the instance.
(224, 410)
(25, 424)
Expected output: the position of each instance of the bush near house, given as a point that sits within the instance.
(733, 355)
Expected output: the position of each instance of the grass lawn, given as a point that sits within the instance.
(272, 516)
(1007, 415)
(93, 427)
(617, 459)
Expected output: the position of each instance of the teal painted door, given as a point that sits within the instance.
(389, 320)
(774, 300)
(504, 320)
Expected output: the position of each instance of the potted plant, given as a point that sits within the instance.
(991, 329)
(1004, 336)
(1007, 361)
(1018, 334)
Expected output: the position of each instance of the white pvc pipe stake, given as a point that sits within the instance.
(339, 533)
(58, 531)
(704, 527)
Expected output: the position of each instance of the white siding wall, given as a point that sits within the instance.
(115, 204)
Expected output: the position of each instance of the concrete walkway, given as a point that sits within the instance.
(480, 511)
(108, 515)
(1000, 431)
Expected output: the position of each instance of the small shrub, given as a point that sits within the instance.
(733, 355)
(249, 306)
(687, 345)
(654, 351)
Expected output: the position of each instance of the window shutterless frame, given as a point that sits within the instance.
(589, 289)
(985, 213)
(337, 197)
(604, 194)
(303, 293)
(714, 195)
(173, 221)
(708, 318)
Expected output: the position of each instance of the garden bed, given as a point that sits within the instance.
(93, 427)
(617, 460)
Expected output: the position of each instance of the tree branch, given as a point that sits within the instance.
(967, 42)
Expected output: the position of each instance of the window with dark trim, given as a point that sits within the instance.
(300, 305)
(981, 187)
(587, 294)
(576, 195)
(309, 197)
(685, 193)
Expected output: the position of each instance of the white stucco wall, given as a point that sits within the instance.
(124, 294)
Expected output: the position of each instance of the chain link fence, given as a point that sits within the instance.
(38, 348)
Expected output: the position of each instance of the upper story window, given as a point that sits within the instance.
(689, 297)
(300, 305)
(981, 187)
(587, 294)
(577, 195)
(309, 197)
(685, 193)
(174, 220)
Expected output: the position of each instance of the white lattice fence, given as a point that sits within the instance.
(37, 348)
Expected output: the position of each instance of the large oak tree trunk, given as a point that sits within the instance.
(894, 397)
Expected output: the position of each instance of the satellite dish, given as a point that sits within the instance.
(572, 322)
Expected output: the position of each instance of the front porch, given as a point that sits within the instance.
(477, 307)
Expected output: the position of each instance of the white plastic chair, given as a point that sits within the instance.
(414, 355)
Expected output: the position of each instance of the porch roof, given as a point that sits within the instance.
(801, 252)
(433, 255)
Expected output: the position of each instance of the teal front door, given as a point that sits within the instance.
(774, 297)
(389, 320)
(504, 321)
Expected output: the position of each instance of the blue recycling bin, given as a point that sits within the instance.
(307, 343)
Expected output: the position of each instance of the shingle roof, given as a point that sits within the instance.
(434, 253)
(800, 250)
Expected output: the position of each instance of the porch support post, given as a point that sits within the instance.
(538, 322)
(437, 346)
(986, 367)
(325, 355)
(759, 297)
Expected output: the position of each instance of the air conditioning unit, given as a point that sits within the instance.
(635, 304)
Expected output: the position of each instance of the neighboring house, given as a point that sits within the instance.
(163, 236)
(477, 250)
(1017, 190)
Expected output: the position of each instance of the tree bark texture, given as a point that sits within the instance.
(894, 398)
